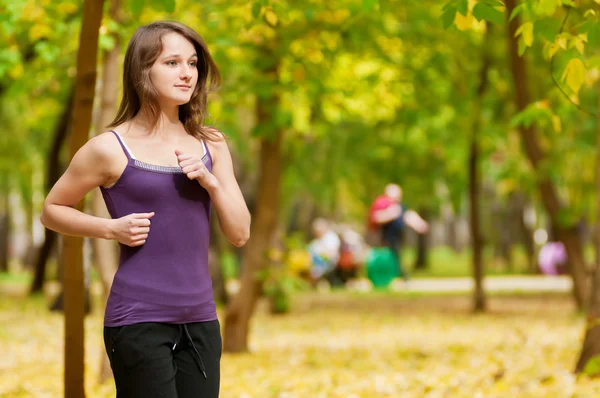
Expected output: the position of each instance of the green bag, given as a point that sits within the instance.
(382, 266)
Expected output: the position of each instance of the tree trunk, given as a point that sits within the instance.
(450, 220)
(106, 252)
(54, 170)
(85, 85)
(255, 258)
(501, 232)
(566, 234)
(479, 302)
(522, 230)
(218, 248)
(265, 218)
(591, 342)
(422, 246)
(28, 257)
(4, 224)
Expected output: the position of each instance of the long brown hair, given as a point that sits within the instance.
(143, 50)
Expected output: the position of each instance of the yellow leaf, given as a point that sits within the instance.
(548, 7)
(578, 42)
(579, 46)
(463, 22)
(507, 185)
(574, 99)
(33, 12)
(574, 74)
(556, 123)
(271, 17)
(552, 48)
(526, 32)
(66, 8)
(16, 72)
(38, 31)
(562, 42)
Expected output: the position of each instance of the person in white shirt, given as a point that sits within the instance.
(324, 249)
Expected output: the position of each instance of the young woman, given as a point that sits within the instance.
(159, 170)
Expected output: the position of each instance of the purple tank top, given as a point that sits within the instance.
(167, 278)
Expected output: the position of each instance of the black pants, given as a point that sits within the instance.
(161, 360)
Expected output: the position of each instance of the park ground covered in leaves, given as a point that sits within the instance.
(344, 344)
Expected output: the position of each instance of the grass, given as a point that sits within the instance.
(445, 262)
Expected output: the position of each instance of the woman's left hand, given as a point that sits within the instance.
(194, 168)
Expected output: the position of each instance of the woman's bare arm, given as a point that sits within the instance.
(90, 168)
(234, 217)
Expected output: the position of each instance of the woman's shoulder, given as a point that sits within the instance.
(213, 134)
(104, 146)
(215, 139)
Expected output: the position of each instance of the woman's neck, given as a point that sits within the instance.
(168, 122)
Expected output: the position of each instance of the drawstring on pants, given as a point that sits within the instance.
(197, 357)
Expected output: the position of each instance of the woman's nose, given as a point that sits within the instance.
(186, 72)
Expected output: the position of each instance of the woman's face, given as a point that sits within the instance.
(174, 74)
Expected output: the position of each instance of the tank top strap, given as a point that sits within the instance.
(123, 145)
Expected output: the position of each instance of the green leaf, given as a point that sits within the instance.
(369, 5)
(310, 14)
(548, 7)
(574, 74)
(593, 62)
(463, 7)
(106, 42)
(526, 32)
(548, 28)
(592, 367)
(169, 5)
(487, 12)
(448, 16)
(256, 8)
(162, 5)
(592, 28)
(516, 11)
(136, 7)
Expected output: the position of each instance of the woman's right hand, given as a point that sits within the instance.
(131, 230)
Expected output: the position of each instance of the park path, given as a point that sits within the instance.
(492, 284)
(509, 284)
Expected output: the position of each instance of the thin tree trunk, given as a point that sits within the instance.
(566, 234)
(422, 244)
(218, 248)
(451, 228)
(591, 343)
(255, 258)
(264, 223)
(479, 302)
(106, 252)
(4, 224)
(521, 229)
(54, 170)
(85, 85)
(501, 233)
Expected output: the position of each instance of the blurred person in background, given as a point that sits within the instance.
(552, 258)
(387, 218)
(352, 254)
(324, 251)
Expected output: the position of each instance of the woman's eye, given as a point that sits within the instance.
(171, 63)
(193, 64)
